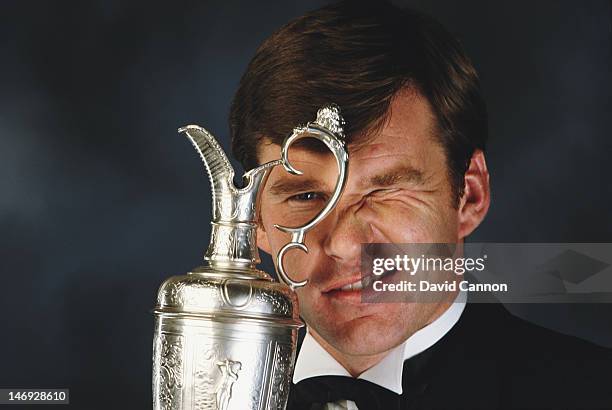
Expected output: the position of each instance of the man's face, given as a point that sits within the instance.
(398, 191)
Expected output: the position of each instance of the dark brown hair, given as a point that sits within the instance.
(359, 55)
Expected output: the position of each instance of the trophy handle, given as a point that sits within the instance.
(328, 129)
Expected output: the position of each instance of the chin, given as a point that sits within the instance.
(364, 336)
(380, 330)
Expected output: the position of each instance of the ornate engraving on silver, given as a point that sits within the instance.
(328, 128)
(212, 365)
(168, 371)
(229, 375)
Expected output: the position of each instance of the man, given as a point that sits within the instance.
(416, 132)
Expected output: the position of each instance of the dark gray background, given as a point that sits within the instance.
(100, 199)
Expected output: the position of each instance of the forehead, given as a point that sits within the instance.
(409, 130)
(408, 137)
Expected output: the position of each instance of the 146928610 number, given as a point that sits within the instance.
(37, 395)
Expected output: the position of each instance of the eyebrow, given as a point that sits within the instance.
(289, 186)
(396, 175)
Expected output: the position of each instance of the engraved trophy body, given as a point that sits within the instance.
(225, 333)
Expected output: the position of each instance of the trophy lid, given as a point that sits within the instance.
(229, 294)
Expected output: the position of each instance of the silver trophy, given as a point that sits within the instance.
(226, 332)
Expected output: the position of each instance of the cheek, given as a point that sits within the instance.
(307, 303)
(409, 221)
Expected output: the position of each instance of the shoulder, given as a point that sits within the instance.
(535, 365)
(493, 325)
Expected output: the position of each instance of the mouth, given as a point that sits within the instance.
(355, 283)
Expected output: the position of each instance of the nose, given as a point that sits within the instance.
(346, 234)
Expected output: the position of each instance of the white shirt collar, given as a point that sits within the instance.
(313, 360)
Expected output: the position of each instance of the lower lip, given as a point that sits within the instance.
(347, 296)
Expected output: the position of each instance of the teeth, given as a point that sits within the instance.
(358, 284)
(364, 282)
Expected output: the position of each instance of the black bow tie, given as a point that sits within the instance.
(313, 393)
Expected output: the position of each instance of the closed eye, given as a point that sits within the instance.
(382, 191)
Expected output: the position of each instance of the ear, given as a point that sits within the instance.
(262, 239)
(476, 198)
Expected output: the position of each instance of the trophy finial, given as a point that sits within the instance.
(329, 117)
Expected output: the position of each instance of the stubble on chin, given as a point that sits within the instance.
(374, 334)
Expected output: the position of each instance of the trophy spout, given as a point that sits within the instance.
(233, 235)
(220, 171)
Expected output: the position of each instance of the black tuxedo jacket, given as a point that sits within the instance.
(493, 360)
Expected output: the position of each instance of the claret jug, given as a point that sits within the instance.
(226, 332)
